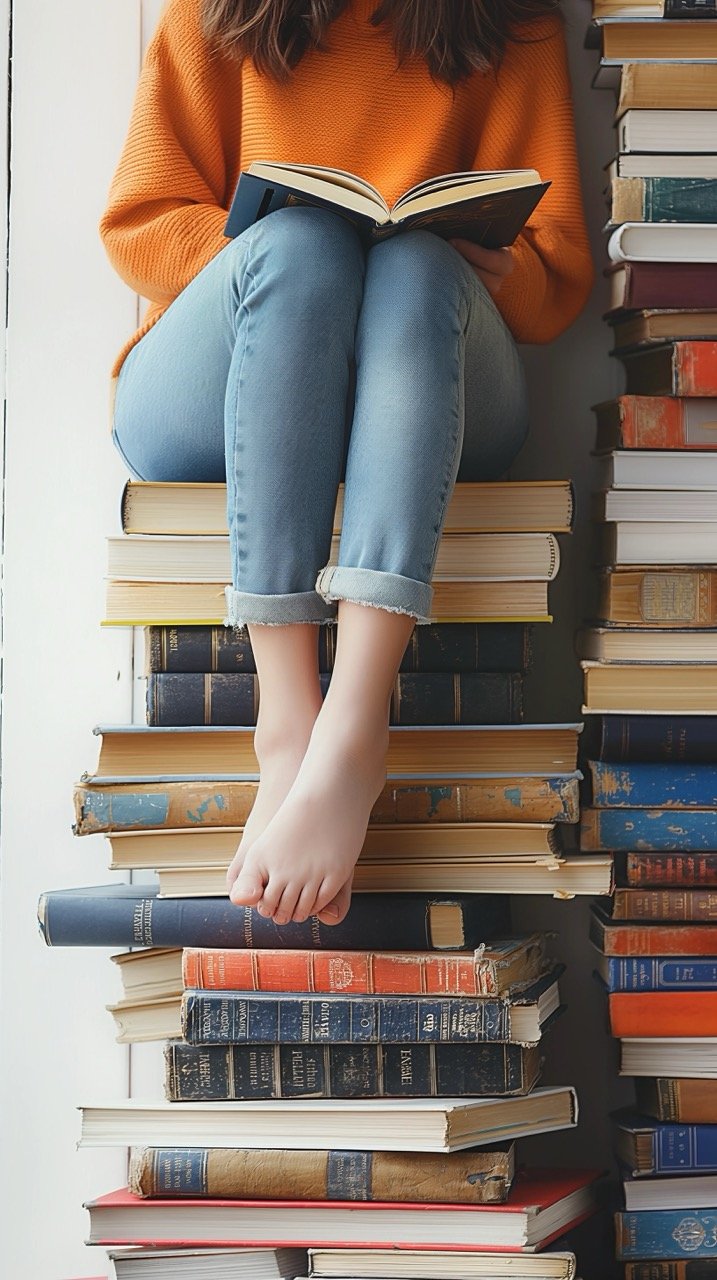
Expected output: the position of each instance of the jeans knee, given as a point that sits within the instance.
(425, 268)
(314, 254)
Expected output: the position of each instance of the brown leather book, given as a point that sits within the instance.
(669, 597)
(686, 1101)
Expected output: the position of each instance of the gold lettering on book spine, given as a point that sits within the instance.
(670, 597)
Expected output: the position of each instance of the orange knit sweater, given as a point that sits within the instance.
(199, 117)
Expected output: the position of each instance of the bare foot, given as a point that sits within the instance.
(302, 863)
(280, 755)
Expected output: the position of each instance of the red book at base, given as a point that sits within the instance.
(517, 1226)
(661, 1014)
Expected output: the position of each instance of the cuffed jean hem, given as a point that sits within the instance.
(390, 591)
(275, 610)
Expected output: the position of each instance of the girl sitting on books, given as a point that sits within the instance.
(291, 357)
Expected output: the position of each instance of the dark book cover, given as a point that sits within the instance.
(454, 647)
(652, 739)
(691, 1270)
(682, 9)
(191, 698)
(665, 1148)
(236, 1017)
(666, 1233)
(691, 905)
(668, 285)
(123, 915)
(652, 786)
(679, 870)
(661, 973)
(673, 200)
(219, 1073)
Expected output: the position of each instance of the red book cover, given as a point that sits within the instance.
(123, 1218)
(656, 422)
(665, 904)
(652, 940)
(658, 1015)
(679, 870)
(666, 285)
(674, 369)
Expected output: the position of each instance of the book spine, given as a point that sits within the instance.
(682, 9)
(79, 919)
(679, 870)
(188, 805)
(695, 368)
(665, 1234)
(669, 1271)
(654, 598)
(663, 200)
(653, 830)
(652, 940)
(665, 904)
(657, 973)
(687, 1101)
(442, 647)
(651, 739)
(479, 1177)
(653, 786)
(652, 422)
(234, 1018)
(220, 1073)
(192, 698)
(357, 972)
(669, 285)
(663, 1014)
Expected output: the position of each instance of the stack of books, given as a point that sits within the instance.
(650, 658)
(357, 1087)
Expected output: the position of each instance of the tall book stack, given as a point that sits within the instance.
(650, 658)
(358, 1089)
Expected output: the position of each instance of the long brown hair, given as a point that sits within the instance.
(455, 37)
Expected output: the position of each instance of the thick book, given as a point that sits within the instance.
(695, 905)
(698, 1191)
(677, 1056)
(105, 807)
(650, 687)
(668, 129)
(146, 604)
(150, 973)
(260, 1017)
(505, 557)
(649, 830)
(651, 328)
(490, 970)
(133, 916)
(647, 85)
(672, 1099)
(628, 40)
(647, 1147)
(658, 503)
(636, 285)
(482, 1176)
(227, 1073)
(685, 738)
(656, 422)
(653, 470)
(666, 1233)
(489, 207)
(670, 542)
(524, 506)
(452, 647)
(395, 1124)
(652, 786)
(657, 973)
(649, 1014)
(542, 1204)
(664, 242)
(675, 369)
(616, 939)
(638, 644)
(132, 750)
(662, 199)
(220, 698)
(670, 597)
(678, 870)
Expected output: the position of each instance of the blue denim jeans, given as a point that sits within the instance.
(297, 358)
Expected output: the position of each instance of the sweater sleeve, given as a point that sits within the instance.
(164, 218)
(553, 271)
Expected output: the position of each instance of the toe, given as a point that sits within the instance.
(337, 908)
(307, 901)
(287, 904)
(248, 887)
(271, 897)
(235, 867)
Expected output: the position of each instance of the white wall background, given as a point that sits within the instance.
(74, 69)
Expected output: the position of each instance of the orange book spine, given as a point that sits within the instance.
(695, 368)
(657, 940)
(662, 1014)
(652, 422)
(360, 972)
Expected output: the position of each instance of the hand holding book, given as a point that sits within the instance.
(490, 265)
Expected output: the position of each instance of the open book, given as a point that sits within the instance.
(489, 207)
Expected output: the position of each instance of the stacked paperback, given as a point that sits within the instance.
(650, 658)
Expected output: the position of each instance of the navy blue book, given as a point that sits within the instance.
(664, 1270)
(440, 698)
(657, 973)
(227, 1073)
(649, 830)
(647, 1147)
(454, 647)
(653, 786)
(266, 1017)
(125, 915)
(653, 739)
(667, 1233)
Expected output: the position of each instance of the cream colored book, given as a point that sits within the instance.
(618, 644)
(433, 1264)
(139, 1021)
(509, 557)
(525, 506)
(149, 974)
(650, 689)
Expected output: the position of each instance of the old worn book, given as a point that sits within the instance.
(679, 870)
(139, 1019)
(415, 1124)
(151, 973)
(647, 1147)
(668, 84)
(655, 422)
(677, 368)
(666, 597)
(676, 739)
(202, 803)
(665, 1233)
(134, 750)
(648, 830)
(653, 785)
(147, 604)
(526, 506)
(691, 905)
(652, 687)
(680, 1101)
(655, 327)
(508, 557)
(482, 1176)
(614, 938)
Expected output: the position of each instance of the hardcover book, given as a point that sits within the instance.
(489, 207)
(672, 84)
(664, 242)
(651, 687)
(677, 368)
(670, 597)
(674, 1100)
(666, 1233)
(694, 1057)
(634, 285)
(652, 786)
(685, 738)
(652, 327)
(651, 830)
(670, 870)
(646, 1147)
(662, 199)
(683, 1014)
(657, 973)
(638, 939)
(656, 422)
(698, 905)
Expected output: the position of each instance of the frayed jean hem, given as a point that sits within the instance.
(276, 610)
(390, 591)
